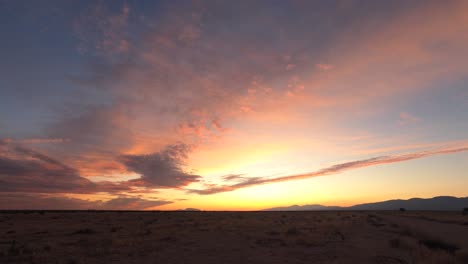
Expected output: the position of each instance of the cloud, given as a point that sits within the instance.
(25, 201)
(99, 128)
(100, 29)
(338, 168)
(324, 66)
(233, 177)
(26, 170)
(406, 118)
(189, 73)
(35, 140)
(162, 169)
(96, 136)
(131, 203)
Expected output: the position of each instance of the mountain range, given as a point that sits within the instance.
(439, 203)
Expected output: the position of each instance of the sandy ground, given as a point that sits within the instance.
(233, 237)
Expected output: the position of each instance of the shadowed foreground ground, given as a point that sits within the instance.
(233, 237)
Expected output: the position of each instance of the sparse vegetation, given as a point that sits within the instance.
(313, 236)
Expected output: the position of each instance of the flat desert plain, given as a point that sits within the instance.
(233, 237)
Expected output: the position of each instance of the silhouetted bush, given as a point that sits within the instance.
(465, 211)
(86, 231)
(439, 245)
(402, 210)
(395, 242)
(292, 231)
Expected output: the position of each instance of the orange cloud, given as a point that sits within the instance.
(330, 170)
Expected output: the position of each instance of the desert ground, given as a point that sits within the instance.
(233, 237)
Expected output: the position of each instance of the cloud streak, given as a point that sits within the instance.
(25, 201)
(334, 169)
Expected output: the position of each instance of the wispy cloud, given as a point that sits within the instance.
(100, 29)
(324, 66)
(406, 119)
(35, 140)
(337, 168)
(25, 201)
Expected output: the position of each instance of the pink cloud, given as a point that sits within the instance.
(324, 66)
(406, 119)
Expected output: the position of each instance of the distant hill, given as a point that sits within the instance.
(309, 207)
(191, 209)
(440, 203)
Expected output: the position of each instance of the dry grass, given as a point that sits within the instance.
(224, 237)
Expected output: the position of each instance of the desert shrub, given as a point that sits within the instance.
(395, 242)
(462, 256)
(72, 261)
(47, 248)
(271, 242)
(402, 210)
(13, 250)
(85, 231)
(336, 235)
(273, 233)
(438, 244)
(405, 243)
(465, 211)
(406, 231)
(292, 231)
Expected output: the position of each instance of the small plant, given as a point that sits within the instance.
(462, 256)
(85, 231)
(395, 242)
(402, 209)
(47, 248)
(465, 211)
(13, 250)
(292, 231)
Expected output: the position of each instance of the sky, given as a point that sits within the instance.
(231, 105)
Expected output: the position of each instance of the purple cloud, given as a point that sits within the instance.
(161, 169)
